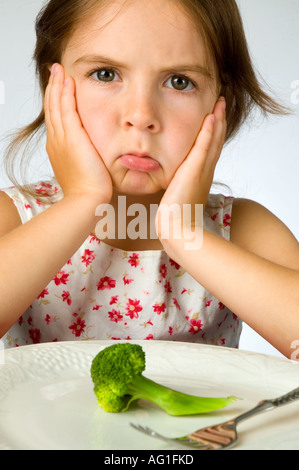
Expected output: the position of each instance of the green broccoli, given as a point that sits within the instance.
(116, 372)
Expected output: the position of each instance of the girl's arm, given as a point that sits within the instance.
(31, 254)
(263, 293)
(256, 274)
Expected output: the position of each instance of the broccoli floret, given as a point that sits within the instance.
(116, 372)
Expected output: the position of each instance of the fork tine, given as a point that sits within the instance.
(150, 432)
(182, 441)
(146, 430)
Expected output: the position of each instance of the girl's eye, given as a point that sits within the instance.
(105, 75)
(180, 83)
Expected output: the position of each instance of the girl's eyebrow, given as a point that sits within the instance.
(95, 59)
(98, 59)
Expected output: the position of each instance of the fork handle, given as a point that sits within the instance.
(267, 405)
(288, 398)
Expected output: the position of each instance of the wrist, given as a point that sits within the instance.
(83, 207)
(183, 248)
(90, 200)
(180, 229)
(181, 240)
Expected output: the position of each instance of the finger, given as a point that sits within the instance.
(220, 116)
(202, 146)
(46, 107)
(54, 100)
(220, 128)
(210, 140)
(71, 121)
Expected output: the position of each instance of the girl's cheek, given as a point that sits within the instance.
(96, 120)
(184, 134)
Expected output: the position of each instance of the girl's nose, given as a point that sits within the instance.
(140, 113)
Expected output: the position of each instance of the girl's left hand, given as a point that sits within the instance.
(192, 181)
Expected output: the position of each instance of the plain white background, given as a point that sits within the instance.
(263, 161)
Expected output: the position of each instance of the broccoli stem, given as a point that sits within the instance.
(173, 402)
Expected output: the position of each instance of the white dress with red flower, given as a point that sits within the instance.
(105, 293)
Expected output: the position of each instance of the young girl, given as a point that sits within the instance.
(139, 98)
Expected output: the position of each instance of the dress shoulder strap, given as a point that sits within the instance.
(35, 198)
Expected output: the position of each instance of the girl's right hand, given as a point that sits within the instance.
(76, 163)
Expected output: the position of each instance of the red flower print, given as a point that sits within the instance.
(133, 308)
(134, 260)
(173, 263)
(44, 189)
(221, 306)
(167, 287)
(47, 319)
(115, 316)
(176, 303)
(149, 337)
(159, 308)
(27, 206)
(106, 283)
(223, 341)
(226, 220)
(35, 335)
(170, 330)
(208, 303)
(196, 326)
(127, 280)
(66, 297)
(78, 327)
(88, 257)
(61, 278)
(97, 307)
(214, 216)
(163, 270)
(114, 299)
(94, 239)
(43, 294)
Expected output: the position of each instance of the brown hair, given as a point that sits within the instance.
(218, 20)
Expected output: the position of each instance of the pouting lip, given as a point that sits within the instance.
(139, 161)
(138, 154)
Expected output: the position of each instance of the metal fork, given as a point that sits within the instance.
(223, 435)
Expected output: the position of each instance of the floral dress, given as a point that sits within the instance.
(105, 293)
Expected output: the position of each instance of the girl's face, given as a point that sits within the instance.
(143, 88)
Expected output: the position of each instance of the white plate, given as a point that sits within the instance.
(47, 399)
